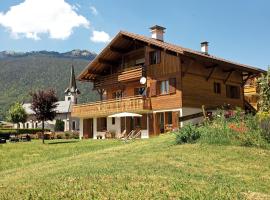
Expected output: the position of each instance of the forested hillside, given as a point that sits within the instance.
(21, 73)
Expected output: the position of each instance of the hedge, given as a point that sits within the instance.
(21, 131)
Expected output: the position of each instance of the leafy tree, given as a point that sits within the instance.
(17, 114)
(59, 125)
(44, 105)
(264, 88)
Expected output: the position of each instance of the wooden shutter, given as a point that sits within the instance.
(158, 56)
(172, 82)
(153, 88)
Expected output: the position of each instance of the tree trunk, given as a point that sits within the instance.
(43, 132)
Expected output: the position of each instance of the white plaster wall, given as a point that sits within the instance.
(95, 133)
(81, 128)
(188, 111)
(115, 128)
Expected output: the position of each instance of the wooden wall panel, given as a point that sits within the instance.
(197, 92)
(169, 67)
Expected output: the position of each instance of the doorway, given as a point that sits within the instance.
(88, 128)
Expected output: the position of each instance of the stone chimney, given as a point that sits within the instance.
(204, 47)
(157, 32)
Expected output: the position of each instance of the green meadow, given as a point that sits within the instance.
(155, 168)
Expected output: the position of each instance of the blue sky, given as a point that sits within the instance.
(238, 30)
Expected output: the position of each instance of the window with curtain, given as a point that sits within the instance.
(164, 87)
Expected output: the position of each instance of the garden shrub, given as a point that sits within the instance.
(59, 136)
(67, 135)
(228, 128)
(264, 122)
(188, 134)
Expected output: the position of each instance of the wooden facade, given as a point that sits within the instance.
(177, 81)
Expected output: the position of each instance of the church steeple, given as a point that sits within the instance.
(72, 91)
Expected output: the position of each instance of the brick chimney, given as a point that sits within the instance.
(157, 32)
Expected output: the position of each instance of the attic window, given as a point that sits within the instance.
(154, 57)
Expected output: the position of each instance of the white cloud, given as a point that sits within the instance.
(94, 10)
(100, 36)
(34, 17)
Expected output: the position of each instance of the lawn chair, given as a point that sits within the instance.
(122, 135)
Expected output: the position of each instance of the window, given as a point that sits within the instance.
(101, 124)
(140, 91)
(73, 125)
(164, 87)
(118, 94)
(69, 98)
(169, 116)
(27, 125)
(113, 121)
(154, 57)
(104, 95)
(217, 88)
(137, 122)
(233, 91)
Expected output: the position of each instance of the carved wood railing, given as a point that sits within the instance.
(105, 108)
(132, 73)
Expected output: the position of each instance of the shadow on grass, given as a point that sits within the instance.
(63, 142)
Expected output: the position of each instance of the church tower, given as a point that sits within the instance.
(72, 92)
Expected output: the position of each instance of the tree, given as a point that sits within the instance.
(44, 106)
(59, 125)
(17, 114)
(264, 89)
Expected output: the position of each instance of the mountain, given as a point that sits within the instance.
(23, 72)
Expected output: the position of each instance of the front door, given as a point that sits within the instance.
(88, 128)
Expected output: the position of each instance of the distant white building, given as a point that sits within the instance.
(63, 110)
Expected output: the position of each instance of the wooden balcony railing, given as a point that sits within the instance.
(136, 104)
(132, 73)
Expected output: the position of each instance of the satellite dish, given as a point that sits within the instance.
(143, 80)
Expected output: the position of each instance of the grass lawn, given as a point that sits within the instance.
(144, 169)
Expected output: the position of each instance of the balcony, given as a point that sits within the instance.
(129, 74)
(136, 104)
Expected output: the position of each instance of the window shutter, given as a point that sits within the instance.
(153, 88)
(228, 92)
(172, 82)
(158, 56)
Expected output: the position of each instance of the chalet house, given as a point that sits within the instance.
(157, 80)
(63, 110)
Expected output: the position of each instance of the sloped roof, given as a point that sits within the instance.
(62, 107)
(92, 66)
